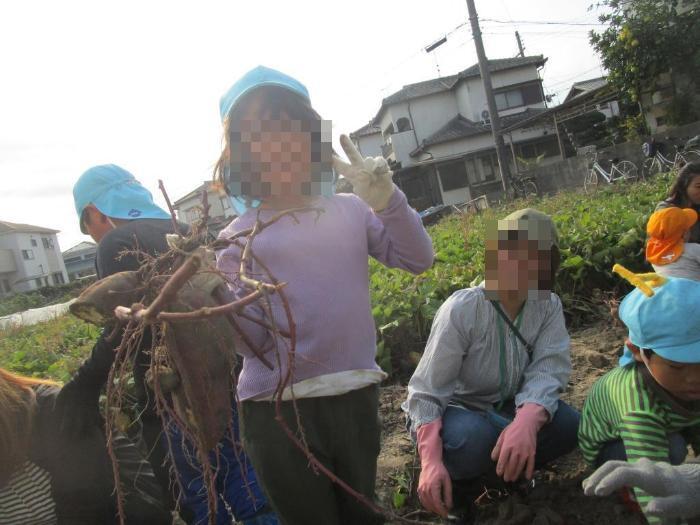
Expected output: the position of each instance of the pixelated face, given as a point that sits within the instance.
(516, 263)
(681, 380)
(279, 157)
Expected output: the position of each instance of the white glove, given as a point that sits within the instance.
(370, 176)
(675, 489)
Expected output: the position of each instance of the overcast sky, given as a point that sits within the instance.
(137, 83)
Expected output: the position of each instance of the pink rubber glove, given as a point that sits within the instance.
(517, 444)
(434, 483)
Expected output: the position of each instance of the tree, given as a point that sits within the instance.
(646, 39)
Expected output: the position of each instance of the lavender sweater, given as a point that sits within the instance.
(326, 265)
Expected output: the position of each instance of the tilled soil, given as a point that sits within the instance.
(556, 499)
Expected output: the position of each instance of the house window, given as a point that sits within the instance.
(48, 243)
(33, 241)
(547, 148)
(27, 255)
(6, 286)
(192, 215)
(453, 175)
(403, 124)
(509, 99)
(489, 167)
(58, 278)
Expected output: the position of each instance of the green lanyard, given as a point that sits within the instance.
(502, 354)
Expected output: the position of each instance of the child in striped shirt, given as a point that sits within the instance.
(649, 407)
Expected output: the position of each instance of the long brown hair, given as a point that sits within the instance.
(678, 194)
(17, 407)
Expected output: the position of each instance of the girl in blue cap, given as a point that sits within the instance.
(649, 407)
(278, 156)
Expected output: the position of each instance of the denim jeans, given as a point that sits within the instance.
(468, 437)
(237, 487)
(615, 450)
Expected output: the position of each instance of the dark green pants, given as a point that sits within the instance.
(342, 432)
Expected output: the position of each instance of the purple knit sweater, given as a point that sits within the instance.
(326, 265)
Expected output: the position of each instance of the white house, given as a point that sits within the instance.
(578, 89)
(436, 134)
(189, 207)
(30, 258)
(80, 260)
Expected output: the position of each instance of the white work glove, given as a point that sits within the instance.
(675, 489)
(370, 176)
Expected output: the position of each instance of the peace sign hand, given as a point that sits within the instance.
(370, 176)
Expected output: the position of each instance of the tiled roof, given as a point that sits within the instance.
(8, 227)
(197, 191)
(85, 245)
(578, 88)
(461, 127)
(437, 85)
(367, 129)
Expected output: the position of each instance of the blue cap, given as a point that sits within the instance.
(667, 322)
(255, 78)
(116, 193)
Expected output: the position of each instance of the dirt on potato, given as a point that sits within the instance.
(557, 497)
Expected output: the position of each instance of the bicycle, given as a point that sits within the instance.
(657, 162)
(524, 187)
(623, 170)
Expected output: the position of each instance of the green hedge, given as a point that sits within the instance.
(41, 297)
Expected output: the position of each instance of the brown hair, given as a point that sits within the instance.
(678, 194)
(17, 408)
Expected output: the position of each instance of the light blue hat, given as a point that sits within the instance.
(667, 322)
(255, 78)
(116, 193)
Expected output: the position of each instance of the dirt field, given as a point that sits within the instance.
(556, 498)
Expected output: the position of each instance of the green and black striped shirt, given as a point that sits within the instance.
(622, 406)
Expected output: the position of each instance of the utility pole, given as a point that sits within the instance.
(490, 98)
(520, 44)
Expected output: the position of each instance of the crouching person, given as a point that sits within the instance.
(649, 407)
(486, 392)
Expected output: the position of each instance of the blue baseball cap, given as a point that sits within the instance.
(668, 322)
(255, 78)
(116, 193)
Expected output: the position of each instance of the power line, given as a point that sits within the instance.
(544, 22)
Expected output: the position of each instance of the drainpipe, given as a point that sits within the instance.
(413, 124)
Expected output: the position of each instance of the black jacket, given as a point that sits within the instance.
(82, 480)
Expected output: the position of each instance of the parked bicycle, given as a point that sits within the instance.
(657, 162)
(524, 187)
(620, 170)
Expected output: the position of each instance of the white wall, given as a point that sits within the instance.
(433, 112)
(371, 145)
(216, 206)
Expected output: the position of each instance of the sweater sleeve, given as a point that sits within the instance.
(548, 373)
(644, 436)
(433, 383)
(228, 261)
(396, 236)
